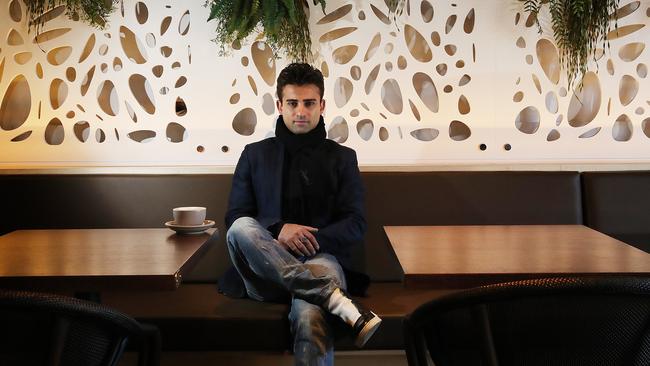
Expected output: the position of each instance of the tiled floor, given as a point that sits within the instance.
(356, 358)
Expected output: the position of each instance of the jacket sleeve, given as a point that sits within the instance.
(349, 225)
(242, 196)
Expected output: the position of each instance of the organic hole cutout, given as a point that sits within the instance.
(132, 46)
(450, 49)
(142, 136)
(252, 83)
(441, 69)
(468, 25)
(343, 89)
(117, 64)
(459, 131)
(22, 137)
(414, 110)
(372, 47)
(417, 45)
(610, 67)
(50, 14)
(425, 134)
(181, 107)
(460, 64)
(372, 78)
(103, 49)
(344, 54)
(70, 114)
(427, 11)
(164, 25)
(184, 23)
(391, 96)
(642, 70)
(622, 130)
(389, 66)
(59, 55)
(631, 51)
(234, 99)
(15, 11)
(54, 132)
(85, 83)
(336, 34)
(552, 104)
(338, 130)
(549, 59)
(558, 120)
(362, 15)
(244, 122)
(464, 80)
(325, 69)
(16, 104)
(268, 104)
(590, 133)
(71, 74)
(388, 49)
(14, 38)
(627, 89)
(180, 82)
(58, 93)
(141, 12)
(383, 134)
(449, 25)
(380, 15)
(164, 90)
(355, 72)
(521, 42)
(157, 71)
(264, 61)
(104, 67)
(623, 31)
(553, 135)
(336, 14)
(584, 105)
(435, 39)
(142, 92)
(81, 131)
(528, 120)
(244, 61)
(131, 112)
(626, 10)
(39, 69)
(529, 59)
(90, 44)
(200, 149)
(426, 90)
(224, 149)
(107, 98)
(166, 51)
(463, 105)
(150, 39)
(100, 136)
(175, 132)
(365, 129)
(538, 85)
(176, 65)
(401, 62)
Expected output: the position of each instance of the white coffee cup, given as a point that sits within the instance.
(189, 216)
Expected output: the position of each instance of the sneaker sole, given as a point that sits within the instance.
(368, 330)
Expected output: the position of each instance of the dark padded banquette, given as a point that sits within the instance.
(195, 317)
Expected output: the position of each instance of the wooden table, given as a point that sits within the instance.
(98, 259)
(468, 256)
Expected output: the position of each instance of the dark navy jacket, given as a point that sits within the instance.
(257, 192)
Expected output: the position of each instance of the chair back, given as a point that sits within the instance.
(44, 329)
(553, 321)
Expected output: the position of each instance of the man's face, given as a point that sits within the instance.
(301, 107)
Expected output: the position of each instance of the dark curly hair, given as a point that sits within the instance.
(300, 74)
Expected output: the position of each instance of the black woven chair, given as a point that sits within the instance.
(555, 321)
(42, 329)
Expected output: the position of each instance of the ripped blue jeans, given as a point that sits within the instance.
(270, 272)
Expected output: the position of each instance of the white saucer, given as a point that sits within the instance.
(192, 229)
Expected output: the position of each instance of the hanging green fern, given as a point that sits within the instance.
(93, 12)
(284, 23)
(579, 27)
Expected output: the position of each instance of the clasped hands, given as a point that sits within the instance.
(299, 239)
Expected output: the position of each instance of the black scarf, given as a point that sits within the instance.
(308, 175)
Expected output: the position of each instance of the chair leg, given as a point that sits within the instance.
(150, 346)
